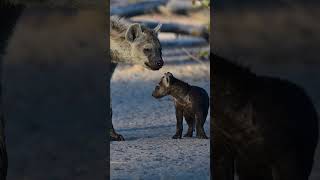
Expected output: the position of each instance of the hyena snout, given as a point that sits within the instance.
(155, 64)
(160, 63)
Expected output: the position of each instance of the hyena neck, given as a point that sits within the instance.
(179, 90)
(120, 48)
(120, 54)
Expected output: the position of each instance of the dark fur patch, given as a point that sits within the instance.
(267, 126)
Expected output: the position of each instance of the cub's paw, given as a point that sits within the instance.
(176, 136)
(188, 135)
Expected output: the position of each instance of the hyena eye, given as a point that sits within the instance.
(157, 87)
(146, 50)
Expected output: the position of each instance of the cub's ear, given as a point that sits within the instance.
(134, 31)
(168, 76)
(157, 28)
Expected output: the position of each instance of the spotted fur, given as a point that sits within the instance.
(133, 51)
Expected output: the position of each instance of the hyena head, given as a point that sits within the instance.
(145, 46)
(163, 88)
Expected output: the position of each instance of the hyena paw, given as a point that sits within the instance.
(176, 136)
(116, 137)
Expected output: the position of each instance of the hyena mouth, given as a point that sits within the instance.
(154, 68)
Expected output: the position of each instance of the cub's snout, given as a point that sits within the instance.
(163, 88)
(156, 92)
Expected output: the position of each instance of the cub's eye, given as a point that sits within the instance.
(146, 50)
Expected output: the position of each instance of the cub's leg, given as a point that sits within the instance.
(179, 117)
(200, 119)
(190, 121)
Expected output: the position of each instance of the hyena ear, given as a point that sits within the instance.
(134, 31)
(168, 76)
(157, 28)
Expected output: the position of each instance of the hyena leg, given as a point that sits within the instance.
(190, 121)
(113, 135)
(9, 15)
(200, 119)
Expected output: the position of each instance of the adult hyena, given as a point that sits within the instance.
(134, 44)
(9, 15)
(265, 127)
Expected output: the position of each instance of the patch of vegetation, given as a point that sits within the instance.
(204, 3)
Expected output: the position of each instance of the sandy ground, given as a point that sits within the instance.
(148, 124)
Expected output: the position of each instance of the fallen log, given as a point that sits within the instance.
(187, 42)
(137, 8)
(182, 7)
(198, 31)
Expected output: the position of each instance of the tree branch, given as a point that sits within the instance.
(190, 42)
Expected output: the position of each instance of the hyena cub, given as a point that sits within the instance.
(191, 102)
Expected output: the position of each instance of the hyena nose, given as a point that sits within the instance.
(160, 63)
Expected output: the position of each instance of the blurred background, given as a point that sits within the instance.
(146, 123)
(277, 38)
(55, 95)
